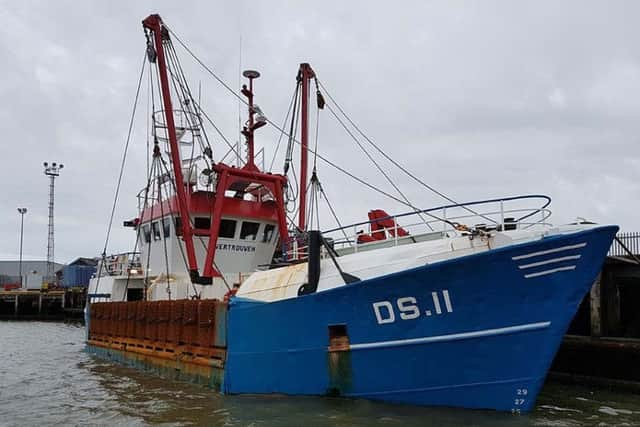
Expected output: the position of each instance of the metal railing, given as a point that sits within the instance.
(127, 263)
(630, 240)
(508, 213)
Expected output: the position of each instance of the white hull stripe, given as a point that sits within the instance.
(453, 337)
(545, 272)
(550, 251)
(549, 261)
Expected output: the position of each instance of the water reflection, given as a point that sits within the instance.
(47, 378)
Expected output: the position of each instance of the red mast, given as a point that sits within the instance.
(248, 131)
(238, 180)
(305, 74)
(160, 33)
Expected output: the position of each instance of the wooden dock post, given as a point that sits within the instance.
(40, 303)
(15, 306)
(596, 310)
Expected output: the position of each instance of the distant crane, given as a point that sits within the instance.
(52, 171)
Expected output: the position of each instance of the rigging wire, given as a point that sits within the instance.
(191, 222)
(164, 164)
(122, 164)
(149, 98)
(315, 147)
(138, 229)
(181, 82)
(394, 162)
(333, 212)
(197, 104)
(286, 118)
(388, 178)
(189, 100)
(186, 102)
(163, 234)
(330, 163)
(293, 129)
(291, 191)
(327, 161)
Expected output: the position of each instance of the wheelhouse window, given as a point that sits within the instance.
(146, 233)
(267, 234)
(202, 222)
(249, 230)
(166, 227)
(178, 225)
(227, 228)
(155, 229)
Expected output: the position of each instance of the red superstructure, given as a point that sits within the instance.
(245, 192)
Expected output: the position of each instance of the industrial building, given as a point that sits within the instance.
(10, 270)
(76, 273)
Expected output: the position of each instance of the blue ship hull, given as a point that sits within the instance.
(478, 331)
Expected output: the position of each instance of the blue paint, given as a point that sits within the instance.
(492, 350)
(77, 275)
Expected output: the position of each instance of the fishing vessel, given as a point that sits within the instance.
(463, 304)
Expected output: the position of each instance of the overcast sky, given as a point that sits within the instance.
(480, 99)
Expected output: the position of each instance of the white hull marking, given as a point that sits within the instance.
(553, 270)
(550, 251)
(436, 302)
(549, 261)
(447, 301)
(453, 337)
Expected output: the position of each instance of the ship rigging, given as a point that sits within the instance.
(464, 304)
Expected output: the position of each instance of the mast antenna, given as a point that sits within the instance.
(239, 143)
(256, 118)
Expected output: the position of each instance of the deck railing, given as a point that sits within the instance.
(127, 263)
(509, 213)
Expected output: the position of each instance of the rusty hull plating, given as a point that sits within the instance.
(185, 338)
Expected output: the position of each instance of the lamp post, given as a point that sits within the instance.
(22, 211)
(52, 171)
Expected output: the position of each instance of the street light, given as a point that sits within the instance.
(22, 211)
(52, 171)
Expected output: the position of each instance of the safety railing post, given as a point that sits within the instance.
(502, 215)
(444, 223)
(395, 232)
(355, 237)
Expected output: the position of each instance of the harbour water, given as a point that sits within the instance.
(47, 379)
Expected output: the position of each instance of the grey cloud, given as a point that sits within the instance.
(481, 99)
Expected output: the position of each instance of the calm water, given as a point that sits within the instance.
(47, 379)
